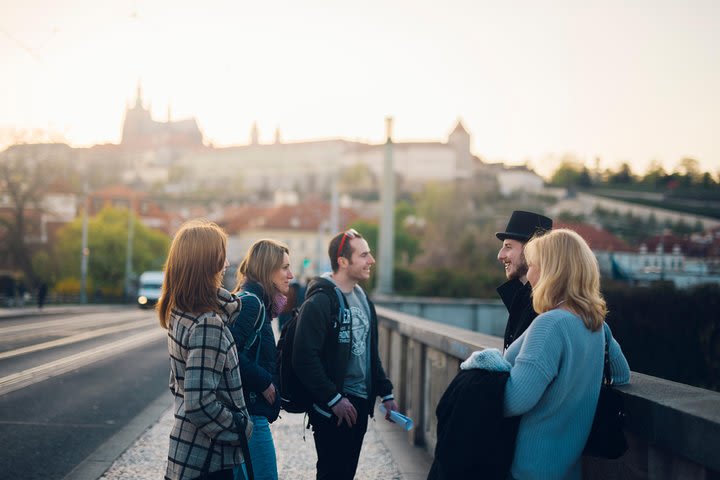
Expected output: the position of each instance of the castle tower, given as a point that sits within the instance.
(459, 139)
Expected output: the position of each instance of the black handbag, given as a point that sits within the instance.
(607, 437)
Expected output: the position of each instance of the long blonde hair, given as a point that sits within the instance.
(263, 258)
(569, 275)
(193, 271)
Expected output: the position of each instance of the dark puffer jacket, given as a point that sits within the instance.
(473, 438)
(257, 375)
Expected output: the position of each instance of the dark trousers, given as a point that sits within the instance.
(338, 448)
(219, 475)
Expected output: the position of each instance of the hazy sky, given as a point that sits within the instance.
(623, 80)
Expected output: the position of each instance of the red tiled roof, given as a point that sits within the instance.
(596, 237)
(305, 216)
(118, 191)
(59, 186)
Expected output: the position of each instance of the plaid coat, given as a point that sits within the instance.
(210, 412)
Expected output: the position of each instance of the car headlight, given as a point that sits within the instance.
(142, 300)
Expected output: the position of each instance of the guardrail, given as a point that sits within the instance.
(673, 429)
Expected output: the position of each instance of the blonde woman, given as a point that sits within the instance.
(211, 421)
(263, 281)
(557, 364)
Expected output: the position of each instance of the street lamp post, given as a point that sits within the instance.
(387, 218)
(129, 255)
(84, 250)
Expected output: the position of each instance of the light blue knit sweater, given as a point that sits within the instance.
(554, 384)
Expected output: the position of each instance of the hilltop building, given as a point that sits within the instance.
(141, 132)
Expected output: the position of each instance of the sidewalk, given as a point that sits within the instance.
(386, 455)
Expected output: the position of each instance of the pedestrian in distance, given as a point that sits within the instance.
(263, 281)
(557, 363)
(22, 291)
(211, 427)
(336, 358)
(42, 294)
(516, 292)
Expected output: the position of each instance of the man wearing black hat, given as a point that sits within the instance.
(516, 292)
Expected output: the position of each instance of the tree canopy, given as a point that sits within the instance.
(107, 244)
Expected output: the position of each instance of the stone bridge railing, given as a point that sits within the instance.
(673, 429)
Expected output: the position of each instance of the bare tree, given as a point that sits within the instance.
(25, 174)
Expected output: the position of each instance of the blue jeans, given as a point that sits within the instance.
(262, 452)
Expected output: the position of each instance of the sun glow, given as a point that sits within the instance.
(623, 83)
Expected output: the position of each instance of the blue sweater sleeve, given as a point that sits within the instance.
(618, 362)
(254, 377)
(536, 365)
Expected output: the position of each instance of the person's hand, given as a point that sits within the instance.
(344, 410)
(390, 405)
(270, 393)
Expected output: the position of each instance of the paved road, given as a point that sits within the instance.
(70, 382)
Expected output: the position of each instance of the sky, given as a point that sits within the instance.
(624, 81)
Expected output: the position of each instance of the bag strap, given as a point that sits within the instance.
(607, 370)
(257, 326)
(246, 456)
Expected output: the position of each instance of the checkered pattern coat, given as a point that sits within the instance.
(210, 413)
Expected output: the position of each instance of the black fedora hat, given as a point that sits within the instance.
(523, 225)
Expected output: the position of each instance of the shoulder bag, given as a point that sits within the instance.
(607, 438)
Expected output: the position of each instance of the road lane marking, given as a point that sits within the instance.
(73, 339)
(69, 322)
(43, 372)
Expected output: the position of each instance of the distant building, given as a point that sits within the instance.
(685, 261)
(518, 179)
(312, 165)
(308, 165)
(303, 227)
(141, 132)
(140, 203)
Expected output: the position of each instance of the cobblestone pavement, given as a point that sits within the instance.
(145, 459)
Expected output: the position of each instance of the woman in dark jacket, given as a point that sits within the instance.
(263, 282)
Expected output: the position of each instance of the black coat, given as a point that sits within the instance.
(518, 301)
(474, 440)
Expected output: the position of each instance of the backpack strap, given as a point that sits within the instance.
(343, 310)
(257, 326)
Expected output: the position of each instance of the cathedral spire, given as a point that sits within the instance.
(278, 138)
(138, 95)
(254, 134)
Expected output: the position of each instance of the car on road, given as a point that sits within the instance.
(149, 287)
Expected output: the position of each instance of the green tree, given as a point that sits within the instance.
(107, 242)
(623, 175)
(690, 169)
(407, 243)
(655, 176)
(569, 174)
